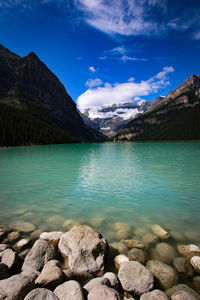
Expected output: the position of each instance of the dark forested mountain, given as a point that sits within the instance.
(176, 117)
(108, 119)
(35, 107)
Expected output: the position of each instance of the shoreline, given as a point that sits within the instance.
(81, 259)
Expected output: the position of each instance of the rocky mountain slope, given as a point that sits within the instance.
(35, 107)
(108, 119)
(176, 117)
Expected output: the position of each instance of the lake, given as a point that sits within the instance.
(101, 184)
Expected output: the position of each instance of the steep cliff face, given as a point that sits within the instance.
(176, 117)
(28, 85)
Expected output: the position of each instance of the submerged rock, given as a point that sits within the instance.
(149, 238)
(102, 292)
(17, 286)
(22, 226)
(68, 224)
(135, 278)
(83, 249)
(189, 250)
(134, 244)
(123, 234)
(121, 226)
(166, 275)
(12, 236)
(160, 232)
(166, 252)
(154, 295)
(50, 276)
(182, 287)
(35, 234)
(39, 255)
(69, 290)
(119, 247)
(52, 237)
(137, 255)
(195, 262)
(119, 260)
(41, 294)
(55, 222)
(183, 266)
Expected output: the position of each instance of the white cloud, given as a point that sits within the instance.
(118, 16)
(103, 57)
(118, 50)
(164, 72)
(93, 82)
(196, 35)
(126, 58)
(92, 69)
(131, 79)
(123, 92)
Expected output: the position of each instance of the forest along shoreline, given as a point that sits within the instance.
(80, 264)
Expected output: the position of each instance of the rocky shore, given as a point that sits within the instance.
(79, 264)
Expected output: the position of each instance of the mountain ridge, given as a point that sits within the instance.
(163, 121)
(28, 85)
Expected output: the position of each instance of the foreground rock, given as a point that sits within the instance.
(183, 266)
(189, 250)
(69, 290)
(39, 255)
(196, 283)
(52, 237)
(41, 294)
(10, 258)
(22, 244)
(160, 232)
(195, 262)
(50, 276)
(182, 287)
(4, 270)
(154, 295)
(135, 278)
(182, 295)
(22, 226)
(102, 292)
(83, 249)
(166, 275)
(82, 277)
(119, 260)
(17, 286)
(114, 282)
(96, 282)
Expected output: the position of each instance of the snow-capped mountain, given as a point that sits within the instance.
(110, 118)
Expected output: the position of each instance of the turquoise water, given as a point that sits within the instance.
(100, 184)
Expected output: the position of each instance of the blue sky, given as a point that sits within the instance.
(104, 51)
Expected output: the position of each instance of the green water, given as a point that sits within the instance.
(137, 183)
